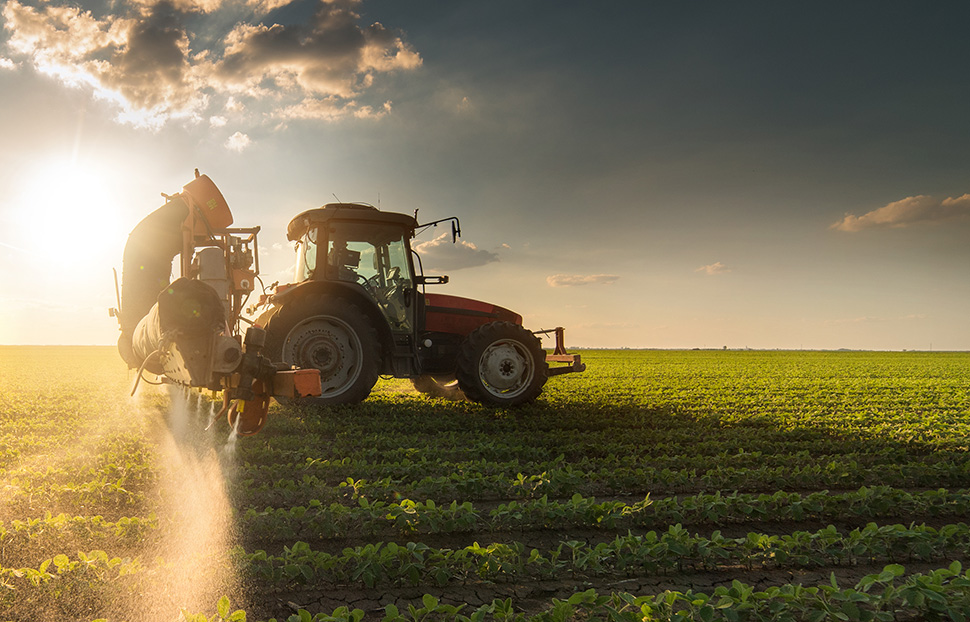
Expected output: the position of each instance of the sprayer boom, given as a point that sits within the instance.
(188, 331)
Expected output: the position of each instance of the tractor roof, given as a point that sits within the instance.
(358, 212)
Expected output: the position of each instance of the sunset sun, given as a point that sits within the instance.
(67, 218)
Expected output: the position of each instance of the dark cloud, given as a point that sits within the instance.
(905, 212)
(150, 68)
(144, 59)
(332, 56)
(441, 254)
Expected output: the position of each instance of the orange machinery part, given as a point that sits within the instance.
(206, 196)
(247, 417)
(297, 383)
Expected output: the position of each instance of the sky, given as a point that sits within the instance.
(645, 174)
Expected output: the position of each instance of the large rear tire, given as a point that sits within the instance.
(502, 364)
(332, 335)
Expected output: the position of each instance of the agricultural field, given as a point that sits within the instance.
(681, 485)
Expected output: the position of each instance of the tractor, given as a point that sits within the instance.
(358, 309)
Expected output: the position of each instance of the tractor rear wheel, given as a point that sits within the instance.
(438, 386)
(332, 335)
(502, 364)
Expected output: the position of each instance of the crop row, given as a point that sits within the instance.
(105, 492)
(64, 588)
(675, 436)
(49, 530)
(115, 468)
(370, 518)
(92, 566)
(676, 549)
(566, 480)
(421, 465)
(942, 594)
(939, 594)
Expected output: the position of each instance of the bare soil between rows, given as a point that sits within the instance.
(534, 597)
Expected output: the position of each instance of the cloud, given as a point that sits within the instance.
(914, 316)
(571, 280)
(332, 109)
(151, 68)
(265, 6)
(714, 269)
(865, 319)
(238, 142)
(441, 254)
(905, 212)
(6, 63)
(151, 58)
(329, 56)
(870, 319)
(184, 6)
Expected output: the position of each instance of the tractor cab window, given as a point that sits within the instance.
(374, 256)
(306, 255)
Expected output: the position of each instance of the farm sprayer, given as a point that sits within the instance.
(188, 331)
(357, 309)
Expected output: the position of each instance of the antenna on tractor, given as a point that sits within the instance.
(336, 197)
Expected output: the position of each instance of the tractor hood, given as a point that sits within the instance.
(460, 316)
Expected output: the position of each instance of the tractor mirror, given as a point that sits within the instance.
(455, 231)
(431, 280)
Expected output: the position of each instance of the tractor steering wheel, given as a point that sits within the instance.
(369, 282)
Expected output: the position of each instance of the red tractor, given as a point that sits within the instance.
(359, 310)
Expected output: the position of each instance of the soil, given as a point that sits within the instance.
(534, 597)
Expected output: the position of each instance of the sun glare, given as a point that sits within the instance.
(67, 219)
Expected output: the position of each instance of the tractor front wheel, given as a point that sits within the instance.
(333, 336)
(501, 364)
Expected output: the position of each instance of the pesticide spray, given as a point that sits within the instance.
(195, 515)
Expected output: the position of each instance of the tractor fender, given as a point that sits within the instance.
(337, 289)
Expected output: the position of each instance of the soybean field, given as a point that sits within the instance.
(657, 485)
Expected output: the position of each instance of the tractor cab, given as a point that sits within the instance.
(357, 244)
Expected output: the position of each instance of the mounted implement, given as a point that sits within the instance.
(188, 331)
